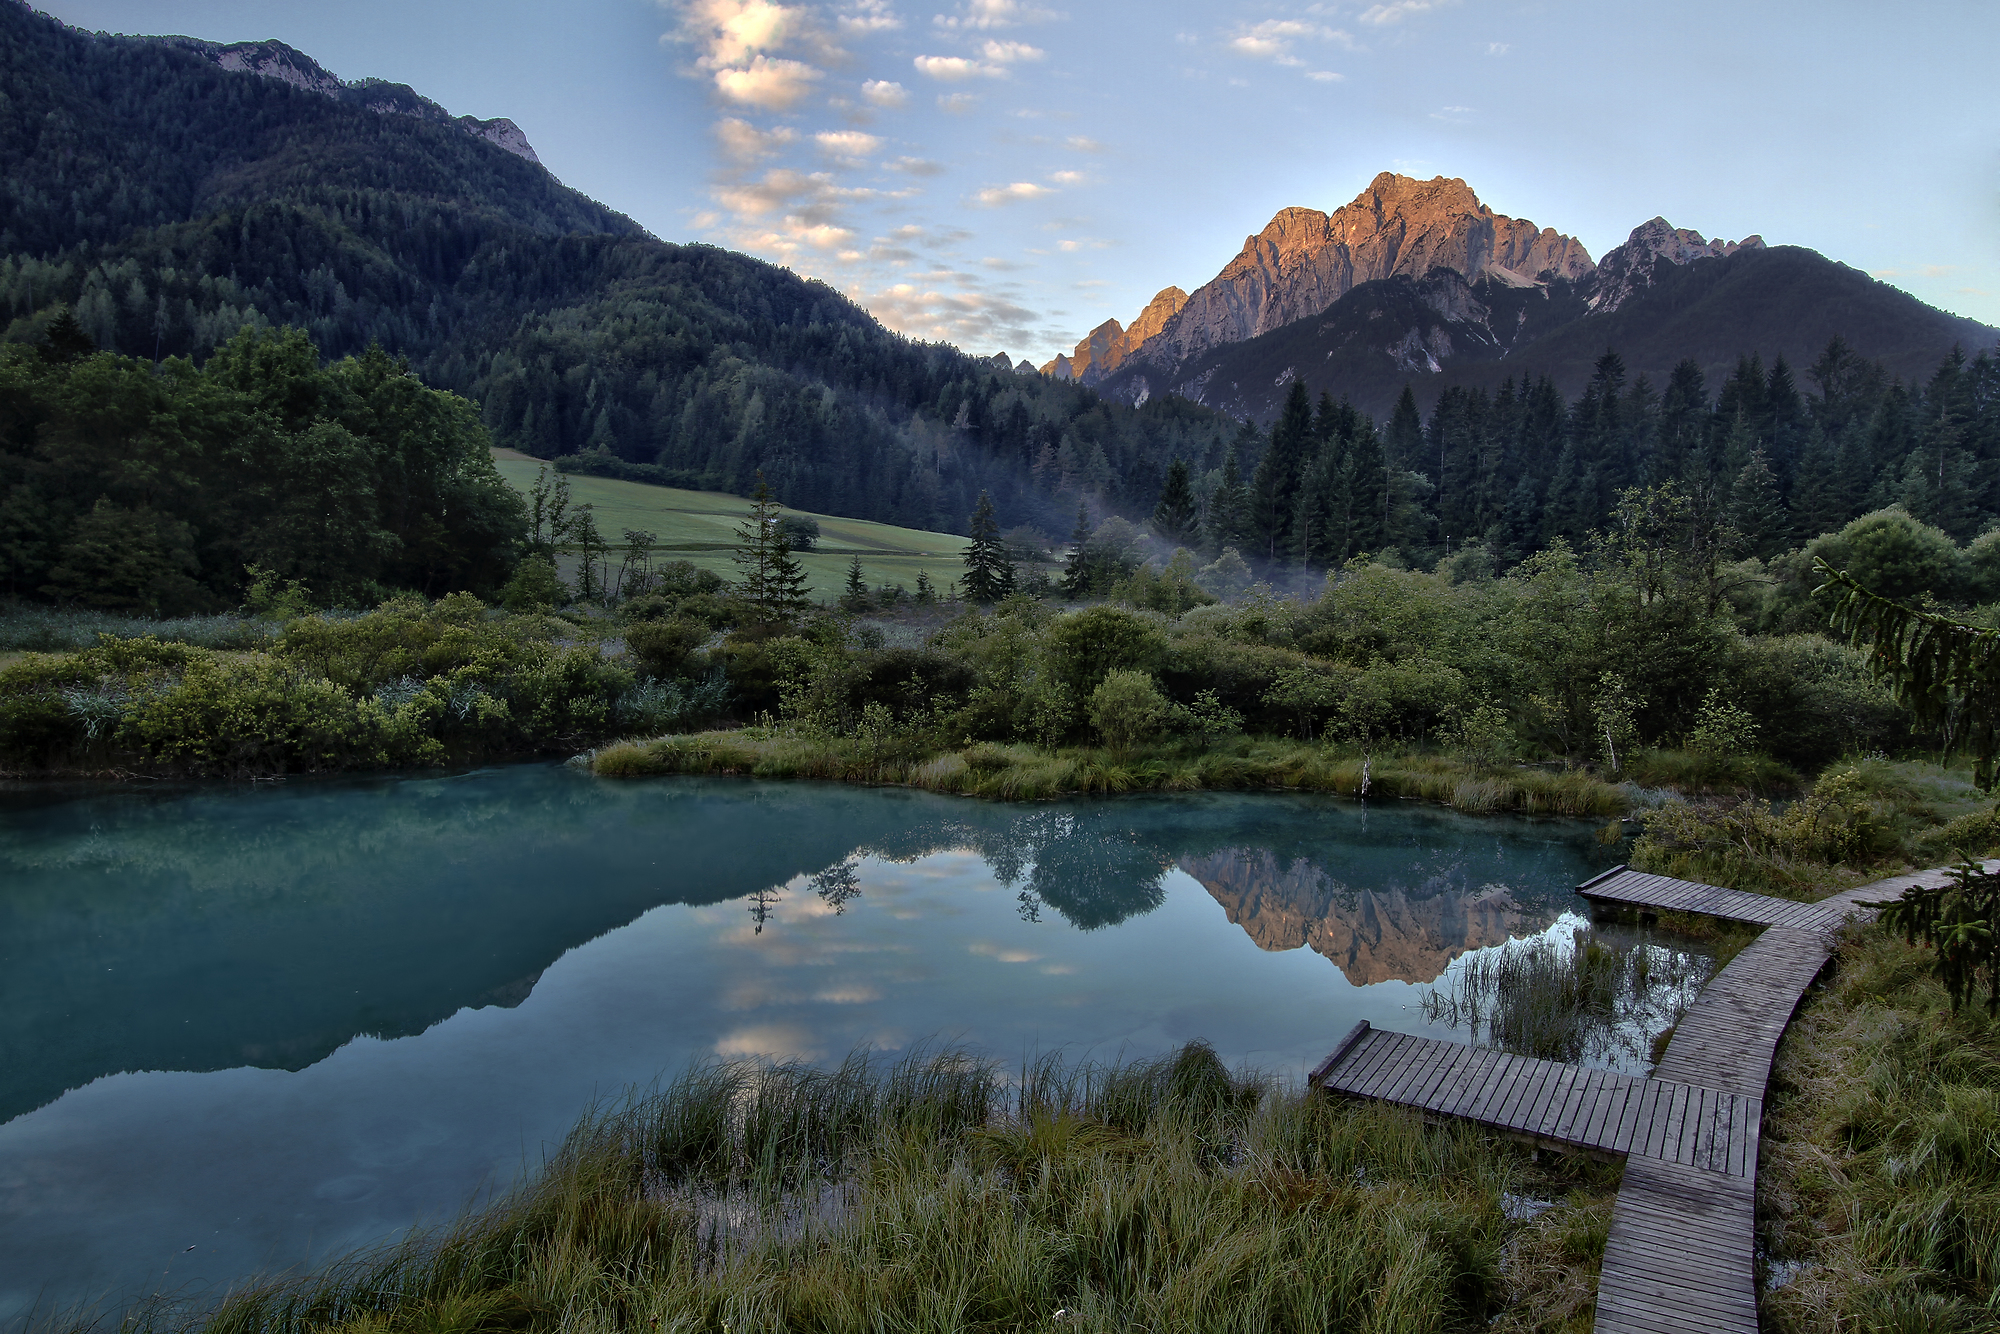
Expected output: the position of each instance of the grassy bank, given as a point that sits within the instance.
(936, 1195)
(1879, 1200)
(1022, 772)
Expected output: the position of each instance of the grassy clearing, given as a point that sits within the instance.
(1879, 1198)
(937, 1195)
(700, 526)
(1028, 773)
(27, 628)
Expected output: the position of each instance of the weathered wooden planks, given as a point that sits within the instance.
(1681, 1251)
(1557, 1105)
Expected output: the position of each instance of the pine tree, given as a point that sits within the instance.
(1076, 569)
(1757, 511)
(855, 597)
(1174, 516)
(1368, 491)
(989, 575)
(773, 585)
(926, 591)
(1273, 489)
(1227, 508)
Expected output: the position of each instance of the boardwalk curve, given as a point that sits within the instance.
(1681, 1254)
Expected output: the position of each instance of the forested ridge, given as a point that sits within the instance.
(170, 202)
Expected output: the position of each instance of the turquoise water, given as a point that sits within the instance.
(243, 1029)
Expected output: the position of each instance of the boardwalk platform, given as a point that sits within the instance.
(1681, 1254)
(1549, 1103)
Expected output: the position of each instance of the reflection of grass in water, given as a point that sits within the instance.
(935, 1194)
(1589, 998)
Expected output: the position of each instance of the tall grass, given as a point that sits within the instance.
(1029, 773)
(24, 626)
(936, 1194)
(1880, 1193)
(1589, 998)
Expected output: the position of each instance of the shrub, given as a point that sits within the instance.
(534, 586)
(663, 648)
(1126, 707)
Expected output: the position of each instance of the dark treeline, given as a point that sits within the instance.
(127, 486)
(170, 203)
(1769, 459)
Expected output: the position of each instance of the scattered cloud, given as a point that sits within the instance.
(1010, 53)
(1325, 76)
(847, 143)
(957, 69)
(985, 15)
(1008, 194)
(732, 31)
(1067, 177)
(869, 16)
(1498, 48)
(1453, 115)
(1395, 11)
(767, 82)
(885, 93)
(1273, 39)
(956, 104)
(1084, 145)
(917, 166)
(743, 142)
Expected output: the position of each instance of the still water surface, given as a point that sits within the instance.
(242, 1030)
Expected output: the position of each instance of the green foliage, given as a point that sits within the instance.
(1127, 707)
(1722, 729)
(1751, 845)
(1086, 646)
(989, 575)
(534, 586)
(665, 648)
(1959, 921)
(772, 586)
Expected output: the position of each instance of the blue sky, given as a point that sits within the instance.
(1005, 174)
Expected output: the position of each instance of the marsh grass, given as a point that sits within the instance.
(1030, 773)
(24, 626)
(1879, 1198)
(1589, 998)
(940, 1194)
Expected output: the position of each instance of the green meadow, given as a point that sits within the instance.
(700, 526)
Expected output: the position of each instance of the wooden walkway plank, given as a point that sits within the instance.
(1681, 1251)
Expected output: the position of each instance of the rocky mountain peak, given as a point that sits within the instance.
(1630, 267)
(1304, 260)
(275, 60)
(1108, 346)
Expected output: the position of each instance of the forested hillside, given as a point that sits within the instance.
(170, 202)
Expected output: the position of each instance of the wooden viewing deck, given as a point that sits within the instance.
(1681, 1255)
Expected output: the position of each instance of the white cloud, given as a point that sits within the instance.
(866, 16)
(1273, 39)
(1008, 53)
(773, 84)
(847, 143)
(743, 142)
(1325, 76)
(1067, 177)
(1083, 145)
(731, 31)
(967, 317)
(916, 166)
(1395, 11)
(1007, 194)
(883, 93)
(1498, 48)
(956, 104)
(956, 69)
(984, 15)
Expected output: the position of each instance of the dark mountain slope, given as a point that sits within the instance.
(170, 201)
(1439, 332)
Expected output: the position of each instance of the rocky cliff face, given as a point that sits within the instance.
(1108, 346)
(1631, 267)
(275, 60)
(1306, 260)
(1403, 934)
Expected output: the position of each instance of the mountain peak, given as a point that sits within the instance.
(1305, 260)
(1627, 268)
(1107, 347)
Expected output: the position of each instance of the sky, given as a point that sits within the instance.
(1005, 175)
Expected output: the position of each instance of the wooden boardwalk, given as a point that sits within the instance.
(1681, 1254)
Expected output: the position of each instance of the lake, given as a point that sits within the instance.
(247, 1028)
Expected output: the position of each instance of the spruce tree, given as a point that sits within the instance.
(1368, 491)
(1174, 516)
(1273, 489)
(1076, 569)
(926, 591)
(989, 575)
(773, 585)
(1226, 509)
(1757, 511)
(855, 597)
